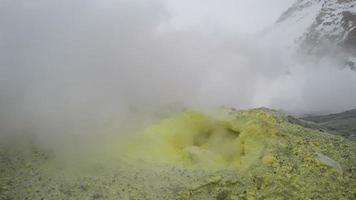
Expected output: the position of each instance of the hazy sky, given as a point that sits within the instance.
(245, 16)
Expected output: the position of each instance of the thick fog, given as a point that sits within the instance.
(72, 66)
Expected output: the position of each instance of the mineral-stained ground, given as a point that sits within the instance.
(250, 154)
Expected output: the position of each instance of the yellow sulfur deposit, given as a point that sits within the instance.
(197, 140)
(229, 154)
(268, 159)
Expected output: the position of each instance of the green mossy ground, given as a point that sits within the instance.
(253, 154)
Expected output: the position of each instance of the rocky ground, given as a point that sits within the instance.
(274, 158)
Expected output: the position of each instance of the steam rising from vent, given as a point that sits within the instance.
(97, 66)
(196, 140)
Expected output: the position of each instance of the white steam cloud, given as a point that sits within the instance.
(79, 65)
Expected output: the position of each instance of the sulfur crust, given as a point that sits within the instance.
(196, 140)
(225, 155)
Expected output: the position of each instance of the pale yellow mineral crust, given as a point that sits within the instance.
(224, 155)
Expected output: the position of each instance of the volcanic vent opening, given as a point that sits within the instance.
(197, 140)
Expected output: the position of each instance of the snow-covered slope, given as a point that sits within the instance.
(334, 24)
(317, 27)
(295, 22)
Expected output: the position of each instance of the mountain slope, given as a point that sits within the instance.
(341, 123)
(250, 154)
(319, 28)
(334, 24)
